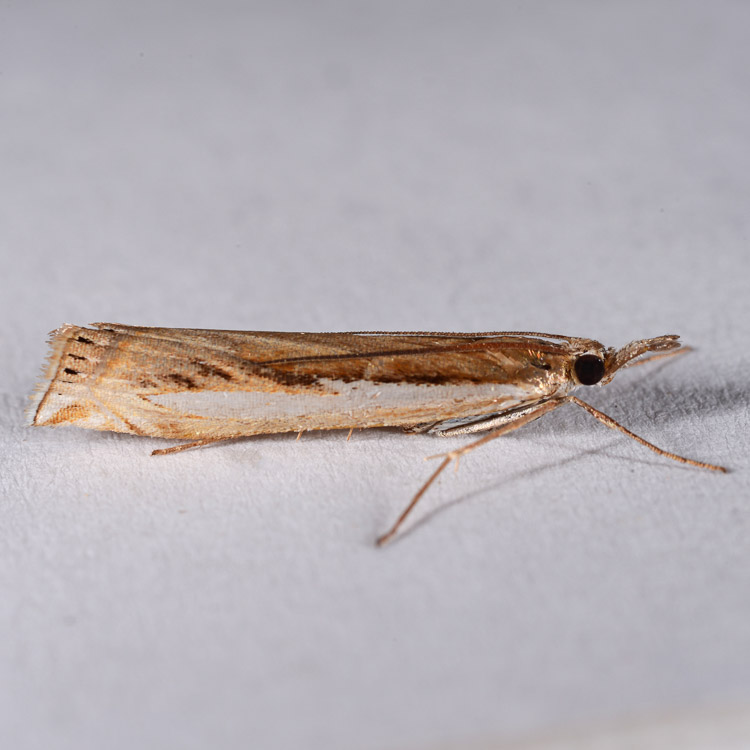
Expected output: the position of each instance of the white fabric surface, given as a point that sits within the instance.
(581, 167)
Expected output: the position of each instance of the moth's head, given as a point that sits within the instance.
(595, 365)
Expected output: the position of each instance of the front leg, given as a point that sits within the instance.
(450, 428)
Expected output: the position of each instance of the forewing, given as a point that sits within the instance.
(188, 382)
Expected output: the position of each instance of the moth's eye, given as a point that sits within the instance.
(589, 369)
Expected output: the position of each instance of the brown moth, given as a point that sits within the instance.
(206, 386)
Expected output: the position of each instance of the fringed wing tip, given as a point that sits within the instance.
(56, 340)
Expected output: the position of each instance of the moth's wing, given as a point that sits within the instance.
(301, 358)
(204, 383)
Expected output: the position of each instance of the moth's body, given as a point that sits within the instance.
(206, 385)
(199, 384)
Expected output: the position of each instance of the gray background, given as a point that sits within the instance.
(575, 166)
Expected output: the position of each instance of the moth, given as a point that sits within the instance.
(206, 386)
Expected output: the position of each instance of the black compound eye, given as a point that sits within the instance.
(589, 369)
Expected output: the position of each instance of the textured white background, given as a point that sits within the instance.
(576, 166)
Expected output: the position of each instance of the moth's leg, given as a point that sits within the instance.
(488, 423)
(188, 446)
(661, 355)
(605, 419)
(420, 428)
(470, 425)
(530, 415)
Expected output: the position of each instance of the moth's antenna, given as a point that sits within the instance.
(619, 358)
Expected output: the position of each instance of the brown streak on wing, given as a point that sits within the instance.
(483, 345)
(294, 360)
